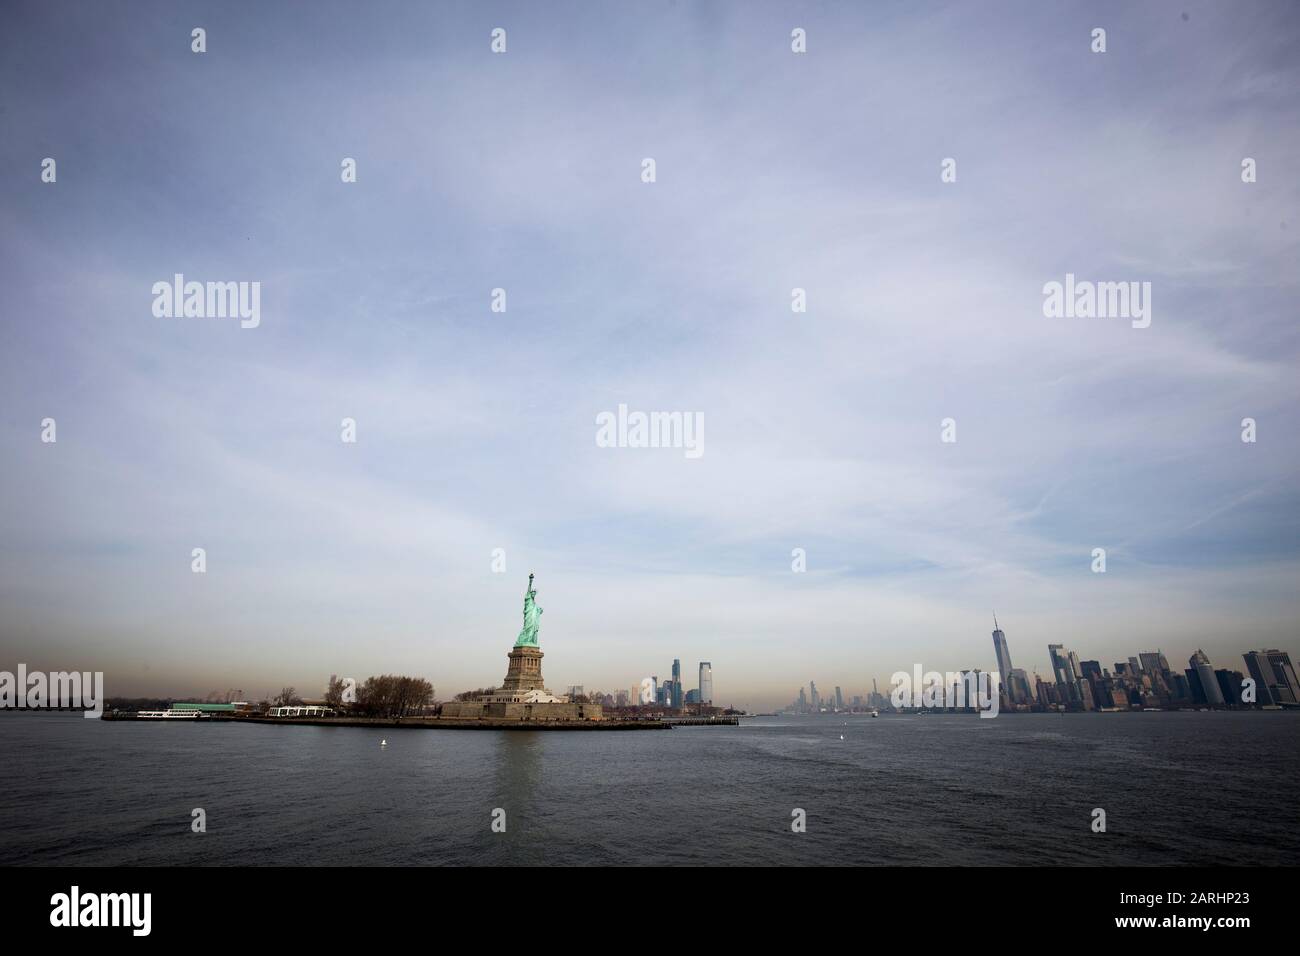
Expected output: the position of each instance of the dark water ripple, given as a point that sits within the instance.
(1207, 788)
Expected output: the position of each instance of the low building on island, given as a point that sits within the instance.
(523, 696)
(303, 709)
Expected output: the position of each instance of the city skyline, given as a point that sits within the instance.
(672, 692)
(1146, 680)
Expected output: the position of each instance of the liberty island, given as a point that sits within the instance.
(522, 702)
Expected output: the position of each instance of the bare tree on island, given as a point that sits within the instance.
(334, 692)
(286, 697)
(393, 696)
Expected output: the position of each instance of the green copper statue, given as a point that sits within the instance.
(528, 636)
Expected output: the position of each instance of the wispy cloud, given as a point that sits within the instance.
(475, 429)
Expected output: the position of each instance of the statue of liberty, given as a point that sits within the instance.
(528, 636)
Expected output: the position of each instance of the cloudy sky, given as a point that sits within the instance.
(476, 430)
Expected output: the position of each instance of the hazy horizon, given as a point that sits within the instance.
(477, 430)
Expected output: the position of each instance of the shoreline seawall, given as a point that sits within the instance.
(417, 723)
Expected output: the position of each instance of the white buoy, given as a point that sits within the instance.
(383, 743)
(841, 736)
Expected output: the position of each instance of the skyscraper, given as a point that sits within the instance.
(1209, 683)
(1046, 693)
(1002, 654)
(1275, 678)
(1180, 688)
(1092, 676)
(677, 684)
(1230, 684)
(1066, 672)
(1287, 684)
(1262, 673)
(1018, 686)
(1153, 662)
(1086, 699)
(706, 682)
(1056, 658)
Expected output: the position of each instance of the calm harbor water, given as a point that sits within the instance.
(1189, 788)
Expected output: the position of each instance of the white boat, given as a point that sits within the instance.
(166, 715)
(875, 713)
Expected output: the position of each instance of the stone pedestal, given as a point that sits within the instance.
(512, 701)
(525, 671)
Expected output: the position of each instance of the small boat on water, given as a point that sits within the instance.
(875, 713)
